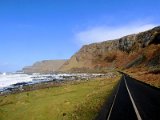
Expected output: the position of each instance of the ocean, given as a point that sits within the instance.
(12, 80)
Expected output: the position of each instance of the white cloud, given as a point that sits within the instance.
(103, 33)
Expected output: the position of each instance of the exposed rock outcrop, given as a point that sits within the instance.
(116, 53)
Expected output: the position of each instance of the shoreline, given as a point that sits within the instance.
(48, 84)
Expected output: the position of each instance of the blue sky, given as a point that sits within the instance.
(35, 30)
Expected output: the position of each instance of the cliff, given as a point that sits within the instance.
(136, 50)
(46, 66)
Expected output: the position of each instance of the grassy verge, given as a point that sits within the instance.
(146, 75)
(76, 100)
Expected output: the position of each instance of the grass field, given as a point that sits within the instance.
(76, 100)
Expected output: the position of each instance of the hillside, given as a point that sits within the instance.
(136, 50)
(46, 66)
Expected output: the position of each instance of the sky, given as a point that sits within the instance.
(35, 30)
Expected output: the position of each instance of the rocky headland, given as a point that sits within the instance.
(136, 50)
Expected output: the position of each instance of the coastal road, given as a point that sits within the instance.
(134, 100)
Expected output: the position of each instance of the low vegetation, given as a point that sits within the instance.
(148, 75)
(75, 100)
(154, 69)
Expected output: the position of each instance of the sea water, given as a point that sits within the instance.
(11, 80)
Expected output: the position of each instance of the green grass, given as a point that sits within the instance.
(79, 100)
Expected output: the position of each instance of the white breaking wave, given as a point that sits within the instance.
(7, 80)
(10, 79)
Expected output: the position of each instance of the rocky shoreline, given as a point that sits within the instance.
(66, 79)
